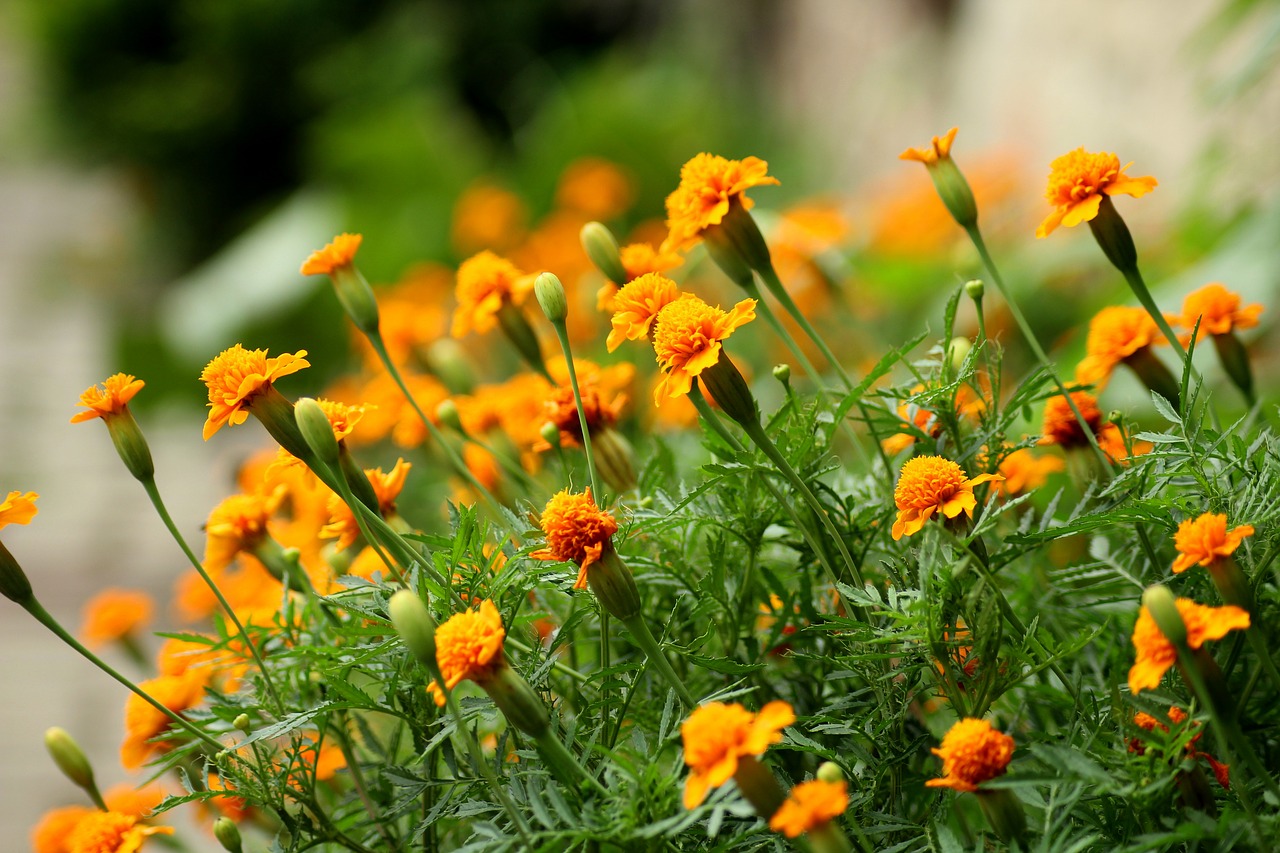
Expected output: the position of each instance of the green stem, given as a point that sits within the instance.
(564, 763)
(1139, 288)
(563, 335)
(649, 645)
(357, 780)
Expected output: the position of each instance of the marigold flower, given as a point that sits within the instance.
(637, 305)
(577, 531)
(338, 253)
(1155, 654)
(238, 523)
(596, 188)
(1060, 424)
(114, 614)
(236, 376)
(143, 723)
(342, 521)
(1217, 310)
(469, 646)
(637, 259)
(1204, 540)
(487, 216)
(18, 508)
(810, 804)
(51, 833)
(1115, 334)
(1024, 471)
(972, 752)
(485, 282)
(1077, 182)
(687, 340)
(109, 398)
(716, 735)
(929, 484)
(709, 186)
(938, 149)
(111, 832)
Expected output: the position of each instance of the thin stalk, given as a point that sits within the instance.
(559, 756)
(563, 335)
(653, 650)
(357, 780)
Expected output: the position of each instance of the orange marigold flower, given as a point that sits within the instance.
(18, 508)
(1113, 442)
(1060, 424)
(111, 832)
(238, 524)
(709, 185)
(469, 646)
(687, 340)
(637, 259)
(485, 282)
(51, 833)
(109, 398)
(810, 804)
(1205, 540)
(114, 614)
(596, 188)
(972, 752)
(1217, 310)
(637, 305)
(487, 216)
(1155, 654)
(577, 531)
(1177, 716)
(139, 802)
(939, 148)
(1024, 471)
(142, 722)
(236, 376)
(342, 521)
(716, 735)
(562, 410)
(929, 484)
(339, 253)
(1115, 333)
(1077, 182)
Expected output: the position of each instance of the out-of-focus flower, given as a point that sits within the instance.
(339, 253)
(810, 804)
(1218, 311)
(18, 508)
(596, 188)
(1116, 334)
(143, 723)
(342, 521)
(487, 216)
(1024, 471)
(115, 614)
(716, 735)
(238, 524)
(1155, 654)
(1205, 540)
(485, 283)
(972, 752)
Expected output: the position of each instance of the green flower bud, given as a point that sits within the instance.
(550, 293)
(69, 757)
(1160, 603)
(414, 624)
(13, 580)
(316, 430)
(975, 289)
(228, 835)
(448, 414)
(782, 373)
(550, 434)
(242, 723)
(602, 248)
(829, 771)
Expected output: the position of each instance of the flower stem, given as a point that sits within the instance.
(563, 762)
(649, 645)
(562, 334)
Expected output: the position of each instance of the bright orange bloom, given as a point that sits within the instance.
(236, 376)
(109, 398)
(637, 305)
(687, 340)
(939, 149)
(1155, 654)
(810, 804)
(469, 646)
(1077, 182)
(637, 259)
(342, 521)
(972, 752)
(487, 216)
(339, 253)
(51, 833)
(709, 186)
(602, 400)
(1024, 471)
(142, 722)
(114, 614)
(596, 188)
(238, 524)
(485, 283)
(18, 508)
(1113, 442)
(1205, 540)
(139, 802)
(1217, 310)
(1115, 333)
(1060, 424)
(577, 531)
(111, 832)
(929, 484)
(716, 735)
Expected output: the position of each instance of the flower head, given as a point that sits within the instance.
(114, 614)
(709, 185)
(111, 832)
(342, 521)
(18, 508)
(1060, 424)
(55, 826)
(601, 407)
(1217, 310)
(485, 282)
(339, 253)
(637, 305)
(929, 484)
(972, 752)
(238, 523)
(236, 376)
(939, 148)
(1155, 654)
(596, 188)
(810, 804)
(577, 531)
(637, 259)
(109, 398)
(1204, 540)
(1077, 182)
(1115, 333)
(143, 723)
(468, 646)
(1024, 471)
(716, 735)
(687, 340)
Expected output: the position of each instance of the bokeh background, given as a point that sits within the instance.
(165, 165)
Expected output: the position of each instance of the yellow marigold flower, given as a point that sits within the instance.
(810, 804)
(1115, 333)
(1217, 310)
(139, 802)
(637, 305)
(238, 524)
(51, 833)
(342, 521)
(18, 508)
(485, 282)
(709, 186)
(929, 484)
(339, 253)
(1155, 654)
(1205, 540)
(114, 614)
(236, 376)
(687, 340)
(1024, 471)
(469, 646)
(111, 832)
(972, 752)
(637, 259)
(577, 531)
(143, 723)
(1060, 424)
(1077, 182)
(109, 398)
(596, 188)
(716, 735)
(938, 149)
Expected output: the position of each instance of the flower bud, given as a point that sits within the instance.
(954, 191)
(829, 771)
(356, 297)
(316, 430)
(550, 434)
(1115, 416)
(975, 289)
(550, 293)
(615, 459)
(614, 585)
(782, 373)
(69, 757)
(730, 390)
(602, 248)
(242, 723)
(13, 581)
(957, 351)
(448, 360)
(414, 624)
(228, 835)
(448, 414)
(517, 702)
(1160, 604)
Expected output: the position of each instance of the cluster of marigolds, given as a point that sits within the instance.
(308, 515)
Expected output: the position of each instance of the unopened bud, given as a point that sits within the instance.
(69, 757)
(356, 297)
(228, 834)
(550, 434)
(1115, 416)
(451, 364)
(1163, 608)
(243, 723)
(782, 373)
(957, 351)
(602, 248)
(829, 771)
(517, 701)
(448, 414)
(975, 289)
(414, 624)
(550, 293)
(316, 430)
